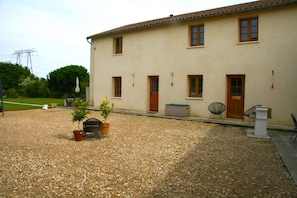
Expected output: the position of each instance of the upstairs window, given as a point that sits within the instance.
(249, 29)
(197, 35)
(118, 45)
(195, 85)
(117, 81)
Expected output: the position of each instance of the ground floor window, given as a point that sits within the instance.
(117, 81)
(195, 85)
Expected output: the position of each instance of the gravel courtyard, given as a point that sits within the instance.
(142, 157)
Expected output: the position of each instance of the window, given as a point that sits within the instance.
(195, 85)
(117, 86)
(197, 35)
(118, 45)
(249, 29)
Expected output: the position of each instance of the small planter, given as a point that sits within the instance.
(106, 108)
(105, 129)
(178, 110)
(79, 114)
(78, 135)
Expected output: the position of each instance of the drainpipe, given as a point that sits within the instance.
(88, 40)
(91, 97)
(90, 43)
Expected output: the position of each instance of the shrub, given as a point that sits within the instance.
(11, 93)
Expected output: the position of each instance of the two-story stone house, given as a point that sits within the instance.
(242, 55)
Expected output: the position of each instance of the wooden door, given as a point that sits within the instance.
(235, 96)
(154, 93)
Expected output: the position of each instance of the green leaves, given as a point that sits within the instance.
(12, 75)
(63, 80)
(106, 108)
(80, 112)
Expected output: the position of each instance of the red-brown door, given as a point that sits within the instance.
(154, 93)
(235, 96)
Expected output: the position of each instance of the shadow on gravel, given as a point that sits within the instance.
(223, 166)
(89, 137)
(64, 137)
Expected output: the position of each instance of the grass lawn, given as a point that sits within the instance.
(14, 107)
(40, 101)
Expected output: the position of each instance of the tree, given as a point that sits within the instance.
(62, 81)
(12, 75)
(34, 87)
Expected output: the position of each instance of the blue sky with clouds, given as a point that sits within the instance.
(57, 29)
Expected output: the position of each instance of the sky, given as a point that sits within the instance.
(56, 30)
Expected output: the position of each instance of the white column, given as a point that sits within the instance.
(261, 123)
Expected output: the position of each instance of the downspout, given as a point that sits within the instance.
(91, 96)
(88, 40)
(90, 43)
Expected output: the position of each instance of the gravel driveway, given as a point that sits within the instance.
(142, 157)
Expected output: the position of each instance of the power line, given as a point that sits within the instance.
(29, 53)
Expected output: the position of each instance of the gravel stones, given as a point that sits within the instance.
(142, 157)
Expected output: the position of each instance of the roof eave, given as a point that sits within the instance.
(178, 19)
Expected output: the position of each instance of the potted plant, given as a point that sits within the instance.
(106, 108)
(79, 114)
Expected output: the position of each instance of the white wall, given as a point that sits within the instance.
(161, 50)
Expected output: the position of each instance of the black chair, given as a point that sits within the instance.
(216, 109)
(295, 130)
(70, 102)
(251, 113)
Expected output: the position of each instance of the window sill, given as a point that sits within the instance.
(194, 98)
(247, 42)
(119, 54)
(116, 97)
(195, 47)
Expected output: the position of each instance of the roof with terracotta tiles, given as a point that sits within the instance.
(239, 8)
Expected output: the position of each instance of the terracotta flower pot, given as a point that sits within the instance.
(105, 129)
(78, 135)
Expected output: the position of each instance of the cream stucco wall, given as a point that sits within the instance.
(161, 50)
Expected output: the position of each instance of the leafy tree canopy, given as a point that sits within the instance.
(12, 75)
(63, 80)
(34, 87)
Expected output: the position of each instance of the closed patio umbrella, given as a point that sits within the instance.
(77, 89)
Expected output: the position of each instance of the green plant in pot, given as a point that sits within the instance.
(106, 108)
(79, 114)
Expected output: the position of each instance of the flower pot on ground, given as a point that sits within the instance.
(106, 108)
(78, 135)
(105, 129)
(79, 114)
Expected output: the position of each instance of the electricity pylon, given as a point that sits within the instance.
(29, 53)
